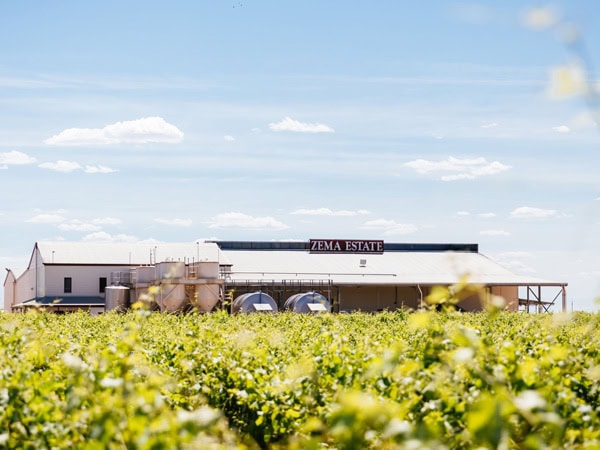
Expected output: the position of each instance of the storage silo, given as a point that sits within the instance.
(144, 274)
(254, 302)
(171, 298)
(208, 269)
(171, 269)
(307, 302)
(116, 298)
(206, 296)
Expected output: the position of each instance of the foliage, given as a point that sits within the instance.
(389, 380)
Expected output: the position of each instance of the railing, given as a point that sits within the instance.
(122, 278)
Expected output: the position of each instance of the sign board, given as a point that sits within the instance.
(262, 307)
(344, 246)
(316, 307)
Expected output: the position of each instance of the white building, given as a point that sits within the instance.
(66, 276)
(351, 274)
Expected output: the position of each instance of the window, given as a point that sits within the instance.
(102, 284)
(68, 285)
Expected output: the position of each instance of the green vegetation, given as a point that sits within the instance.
(389, 380)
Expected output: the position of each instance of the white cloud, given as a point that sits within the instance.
(106, 221)
(489, 125)
(229, 138)
(175, 222)
(102, 236)
(487, 215)
(460, 169)
(241, 220)
(561, 129)
(583, 120)
(78, 225)
(527, 212)
(389, 227)
(46, 218)
(540, 18)
(329, 212)
(15, 158)
(494, 233)
(61, 166)
(70, 166)
(141, 131)
(486, 168)
(289, 124)
(98, 169)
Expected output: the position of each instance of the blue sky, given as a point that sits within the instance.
(432, 121)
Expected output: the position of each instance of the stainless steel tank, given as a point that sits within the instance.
(254, 302)
(307, 302)
(116, 298)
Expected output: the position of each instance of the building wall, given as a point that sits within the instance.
(472, 303)
(409, 297)
(36, 270)
(25, 287)
(358, 298)
(9, 290)
(85, 280)
(510, 294)
(378, 298)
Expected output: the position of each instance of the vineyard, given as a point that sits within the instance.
(350, 381)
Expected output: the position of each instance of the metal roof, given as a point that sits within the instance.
(55, 301)
(400, 264)
(127, 253)
(389, 268)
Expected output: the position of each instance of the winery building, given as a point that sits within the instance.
(346, 275)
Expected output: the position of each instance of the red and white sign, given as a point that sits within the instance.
(344, 246)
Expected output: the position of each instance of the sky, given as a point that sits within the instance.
(432, 121)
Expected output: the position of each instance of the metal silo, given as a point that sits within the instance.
(208, 269)
(307, 302)
(171, 298)
(206, 296)
(170, 269)
(254, 302)
(116, 298)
